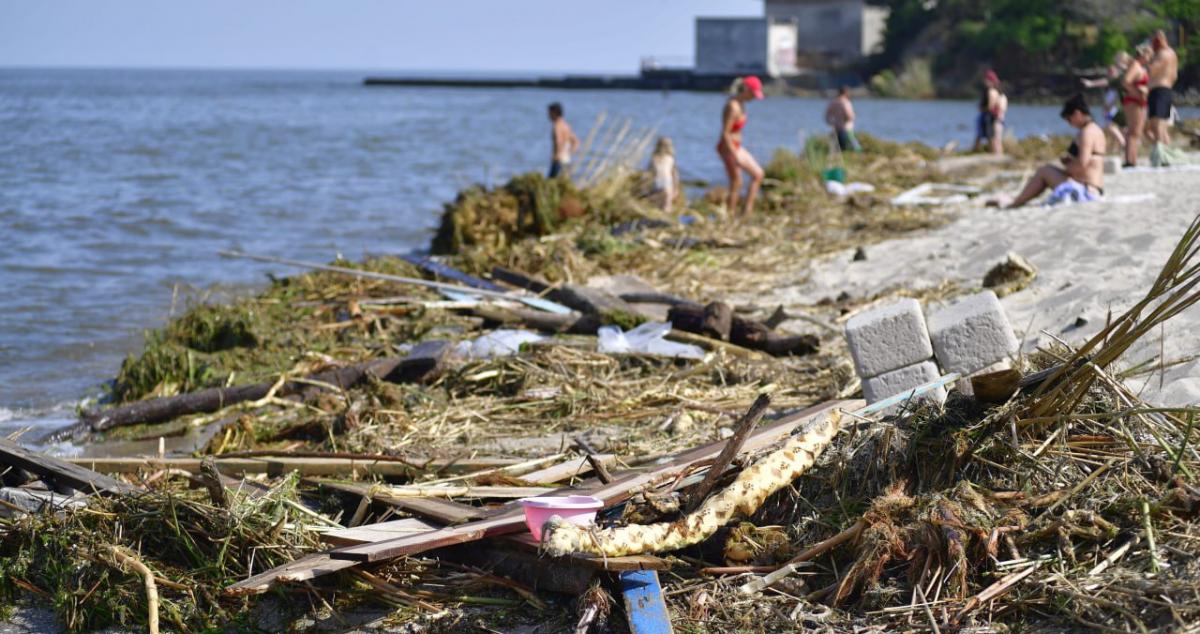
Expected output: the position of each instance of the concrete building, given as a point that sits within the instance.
(841, 29)
(742, 46)
(833, 30)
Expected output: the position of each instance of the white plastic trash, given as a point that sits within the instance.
(647, 338)
(498, 343)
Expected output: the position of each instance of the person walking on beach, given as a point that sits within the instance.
(562, 139)
(1114, 116)
(735, 157)
(1164, 71)
(993, 106)
(1134, 86)
(666, 174)
(1081, 177)
(840, 116)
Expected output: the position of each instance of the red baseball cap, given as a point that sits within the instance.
(754, 84)
(991, 76)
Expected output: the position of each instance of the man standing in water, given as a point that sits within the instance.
(563, 140)
(840, 116)
(1164, 70)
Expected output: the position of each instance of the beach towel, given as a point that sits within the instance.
(1166, 156)
(1070, 191)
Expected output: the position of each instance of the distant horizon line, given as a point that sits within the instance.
(311, 69)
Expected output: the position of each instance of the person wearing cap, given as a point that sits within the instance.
(993, 105)
(1081, 177)
(735, 157)
(840, 116)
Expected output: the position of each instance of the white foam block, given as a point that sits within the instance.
(877, 388)
(888, 338)
(971, 334)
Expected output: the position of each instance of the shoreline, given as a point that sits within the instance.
(410, 433)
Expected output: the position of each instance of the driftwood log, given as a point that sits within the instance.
(424, 361)
(716, 320)
(743, 332)
(588, 301)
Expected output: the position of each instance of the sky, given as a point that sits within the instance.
(437, 35)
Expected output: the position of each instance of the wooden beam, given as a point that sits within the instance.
(566, 470)
(370, 533)
(303, 569)
(61, 472)
(731, 450)
(308, 467)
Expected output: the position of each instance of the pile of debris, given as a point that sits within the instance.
(372, 456)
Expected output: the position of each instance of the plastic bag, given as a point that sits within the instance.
(645, 339)
(498, 343)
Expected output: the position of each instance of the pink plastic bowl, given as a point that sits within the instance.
(576, 509)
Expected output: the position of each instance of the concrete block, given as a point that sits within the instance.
(888, 338)
(971, 334)
(877, 388)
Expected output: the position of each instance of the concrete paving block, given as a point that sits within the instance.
(971, 334)
(877, 388)
(888, 338)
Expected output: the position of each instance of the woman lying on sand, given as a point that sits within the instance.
(729, 147)
(1081, 178)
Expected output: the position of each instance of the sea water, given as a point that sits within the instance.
(119, 187)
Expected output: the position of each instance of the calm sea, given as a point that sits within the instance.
(118, 187)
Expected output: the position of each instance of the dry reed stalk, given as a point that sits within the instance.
(1173, 291)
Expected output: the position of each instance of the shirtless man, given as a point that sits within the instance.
(563, 139)
(840, 116)
(1081, 177)
(1164, 70)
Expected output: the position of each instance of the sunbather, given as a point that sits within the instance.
(1081, 177)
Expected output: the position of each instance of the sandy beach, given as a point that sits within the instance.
(1091, 258)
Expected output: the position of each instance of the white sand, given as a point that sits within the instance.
(1091, 258)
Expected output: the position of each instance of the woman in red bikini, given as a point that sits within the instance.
(1135, 85)
(730, 149)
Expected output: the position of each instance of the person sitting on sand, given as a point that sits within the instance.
(1134, 88)
(665, 172)
(1081, 177)
(563, 140)
(735, 157)
(840, 116)
(1164, 71)
(993, 106)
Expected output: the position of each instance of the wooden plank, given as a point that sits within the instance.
(237, 466)
(303, 569)
(439, 510)
(61, 472)
(459, 491)
(645, 609)
(525, 542)
(513, 520)
(449, 512)
(371, 533)
(566, 470)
